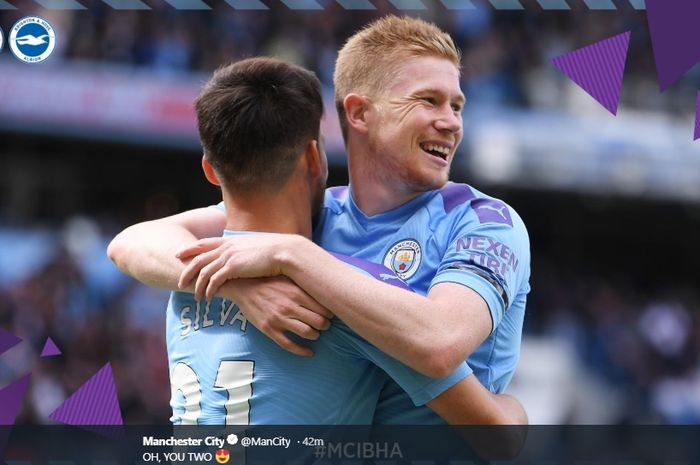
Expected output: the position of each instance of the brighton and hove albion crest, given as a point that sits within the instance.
(32, 39)
(403, 258)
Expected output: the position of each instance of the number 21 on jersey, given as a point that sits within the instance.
(235, 376)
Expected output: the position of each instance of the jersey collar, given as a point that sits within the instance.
(395, 215)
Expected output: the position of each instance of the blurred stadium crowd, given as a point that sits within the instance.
(506, 68)
(627, 352)
(505, 59)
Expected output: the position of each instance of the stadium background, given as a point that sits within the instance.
(101, 136)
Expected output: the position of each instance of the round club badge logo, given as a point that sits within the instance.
(404, 258)
(32, 39)
(2, 40)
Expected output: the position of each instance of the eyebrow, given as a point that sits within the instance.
(460, 98)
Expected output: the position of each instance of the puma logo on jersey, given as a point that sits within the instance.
(492, 211)
(497, 210)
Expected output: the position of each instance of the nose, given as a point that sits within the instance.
(449, 120)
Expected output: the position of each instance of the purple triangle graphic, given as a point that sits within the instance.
(50, 349)
(675, 35)
(11, 400)
(94, 403)
(10, 403)
(697, 118)
(598, 68)
(7, 340)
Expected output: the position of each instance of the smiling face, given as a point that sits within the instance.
(222, 456)
(415, 125)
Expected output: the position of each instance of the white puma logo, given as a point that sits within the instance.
(497, 210)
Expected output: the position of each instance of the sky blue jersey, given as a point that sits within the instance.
(224, 371)
(456, 234)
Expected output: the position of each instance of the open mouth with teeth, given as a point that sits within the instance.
(436, 150)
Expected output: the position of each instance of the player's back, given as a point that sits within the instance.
(224, 371)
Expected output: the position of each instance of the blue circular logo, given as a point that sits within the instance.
(2, 40)
(32, 39)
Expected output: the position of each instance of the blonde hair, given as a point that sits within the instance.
(368, 60)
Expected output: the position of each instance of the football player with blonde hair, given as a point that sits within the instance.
(465, 254)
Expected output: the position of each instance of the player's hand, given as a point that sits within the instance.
(217, 260)
(277, 305)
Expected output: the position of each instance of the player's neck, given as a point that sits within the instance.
(285, 211)
(373, 195)
(373, 198)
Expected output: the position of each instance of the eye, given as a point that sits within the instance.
(457, 108)
(430, 100)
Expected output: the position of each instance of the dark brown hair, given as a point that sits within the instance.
(255, 118)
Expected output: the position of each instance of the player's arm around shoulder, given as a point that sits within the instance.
(412, 328)
(422, 332)
(146, 251)
(483, 267)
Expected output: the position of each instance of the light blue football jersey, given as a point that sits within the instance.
(224, 371)
(455, 234)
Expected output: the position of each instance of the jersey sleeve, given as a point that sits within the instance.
(491, 257)
(420, 388)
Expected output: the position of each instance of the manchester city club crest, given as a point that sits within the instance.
(404, 258)
(32, 39)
